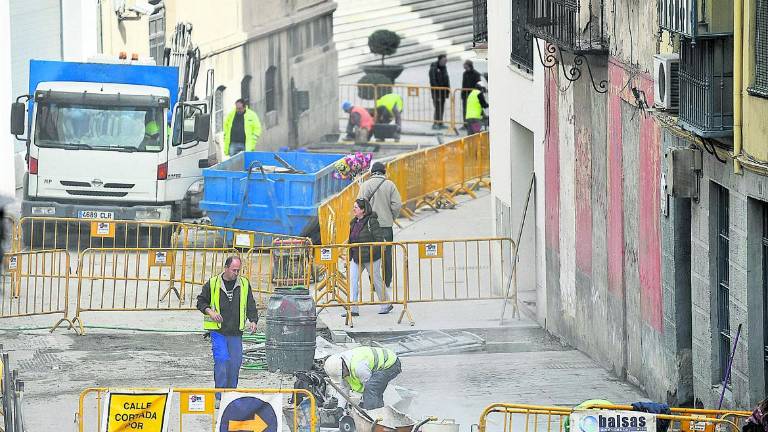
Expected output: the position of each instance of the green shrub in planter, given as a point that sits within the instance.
(383, 43)
(366, 92)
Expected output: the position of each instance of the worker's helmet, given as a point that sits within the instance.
(346, 106)
(151, 128)
(334, 366)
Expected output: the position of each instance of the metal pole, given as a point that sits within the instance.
(730, 364)
(517, 247)
(19, 421)
(7, 409)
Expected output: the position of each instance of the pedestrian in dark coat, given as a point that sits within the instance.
(469, 81)
(438, 77)
(364, 228)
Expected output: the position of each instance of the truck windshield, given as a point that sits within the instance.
(98, 127)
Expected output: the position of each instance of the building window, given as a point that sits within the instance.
(723, 279)
(765, 296)
(245, 90)
(479, 22)
(760, 86)
(218, 106)
(270, 89)
(521, 50)
(157, 36)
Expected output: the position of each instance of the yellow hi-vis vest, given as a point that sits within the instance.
(390, 101)
(474, 109)
(377, 359)
(216, 283)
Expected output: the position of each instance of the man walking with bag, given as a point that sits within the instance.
(386, 202)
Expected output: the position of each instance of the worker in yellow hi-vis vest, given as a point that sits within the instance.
(389, 107)
(366, 370)
(476, 103)
(229, 308)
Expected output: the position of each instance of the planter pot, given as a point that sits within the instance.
(390, 71)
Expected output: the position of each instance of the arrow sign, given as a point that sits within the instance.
(255, 425)
(250, 412)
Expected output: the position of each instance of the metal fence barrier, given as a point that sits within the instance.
(501, 417)
(92, 403)
(143, 279)
(335, 288)
(465, 269)
(418, 103)
(35, 283)
(42, 233)
(457, 167)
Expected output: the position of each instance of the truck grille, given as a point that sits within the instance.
(96, 193)
(106, 186)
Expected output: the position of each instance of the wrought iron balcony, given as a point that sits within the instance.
(480, 22)
(521, 42)
(677, 16)
(706, 85)
(572, 25)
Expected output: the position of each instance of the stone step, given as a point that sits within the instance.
(417, 36)
(425, 56)
(352, 7)
(410, 27)
(433, 44)
(370, 21)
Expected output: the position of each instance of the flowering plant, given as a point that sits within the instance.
(351, 166)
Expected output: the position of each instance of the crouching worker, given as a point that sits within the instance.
(366, 370)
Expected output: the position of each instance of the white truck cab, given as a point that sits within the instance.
(105, 141)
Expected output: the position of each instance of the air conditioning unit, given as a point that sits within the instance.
(666, 81)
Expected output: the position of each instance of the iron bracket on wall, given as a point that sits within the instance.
(554, 56)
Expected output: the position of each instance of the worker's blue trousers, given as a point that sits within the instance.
(227, 359)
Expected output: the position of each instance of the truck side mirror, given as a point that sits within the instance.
(202, 127)
(18, 112)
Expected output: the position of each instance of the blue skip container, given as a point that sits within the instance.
(274, 192)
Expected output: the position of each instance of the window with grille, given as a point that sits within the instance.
(245, 89)
(521, 50)
(157, 36)
(270, 89)
(723, 279)
(218, 106)
(760, 85)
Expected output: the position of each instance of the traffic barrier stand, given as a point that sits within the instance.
(35, 283)
(43, 233)
(533, 418)
(463, 269)
(418, 106)
(335, 289)
(142, 279)
(170, 409)
(287, 264)
(733, 416)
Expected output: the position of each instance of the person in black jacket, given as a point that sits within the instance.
(438, 77)
(364, 228)
(227, 304)
(468, 82)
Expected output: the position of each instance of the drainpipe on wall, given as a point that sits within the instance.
(738, 72)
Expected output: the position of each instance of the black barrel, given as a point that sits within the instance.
(291, 328)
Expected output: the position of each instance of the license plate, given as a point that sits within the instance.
(94, 214)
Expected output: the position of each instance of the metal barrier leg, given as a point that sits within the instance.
(61, 321)
(405, 312)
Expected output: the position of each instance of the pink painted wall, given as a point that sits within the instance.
(649, 194)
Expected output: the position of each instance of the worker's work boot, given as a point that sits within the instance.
(386, 309)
